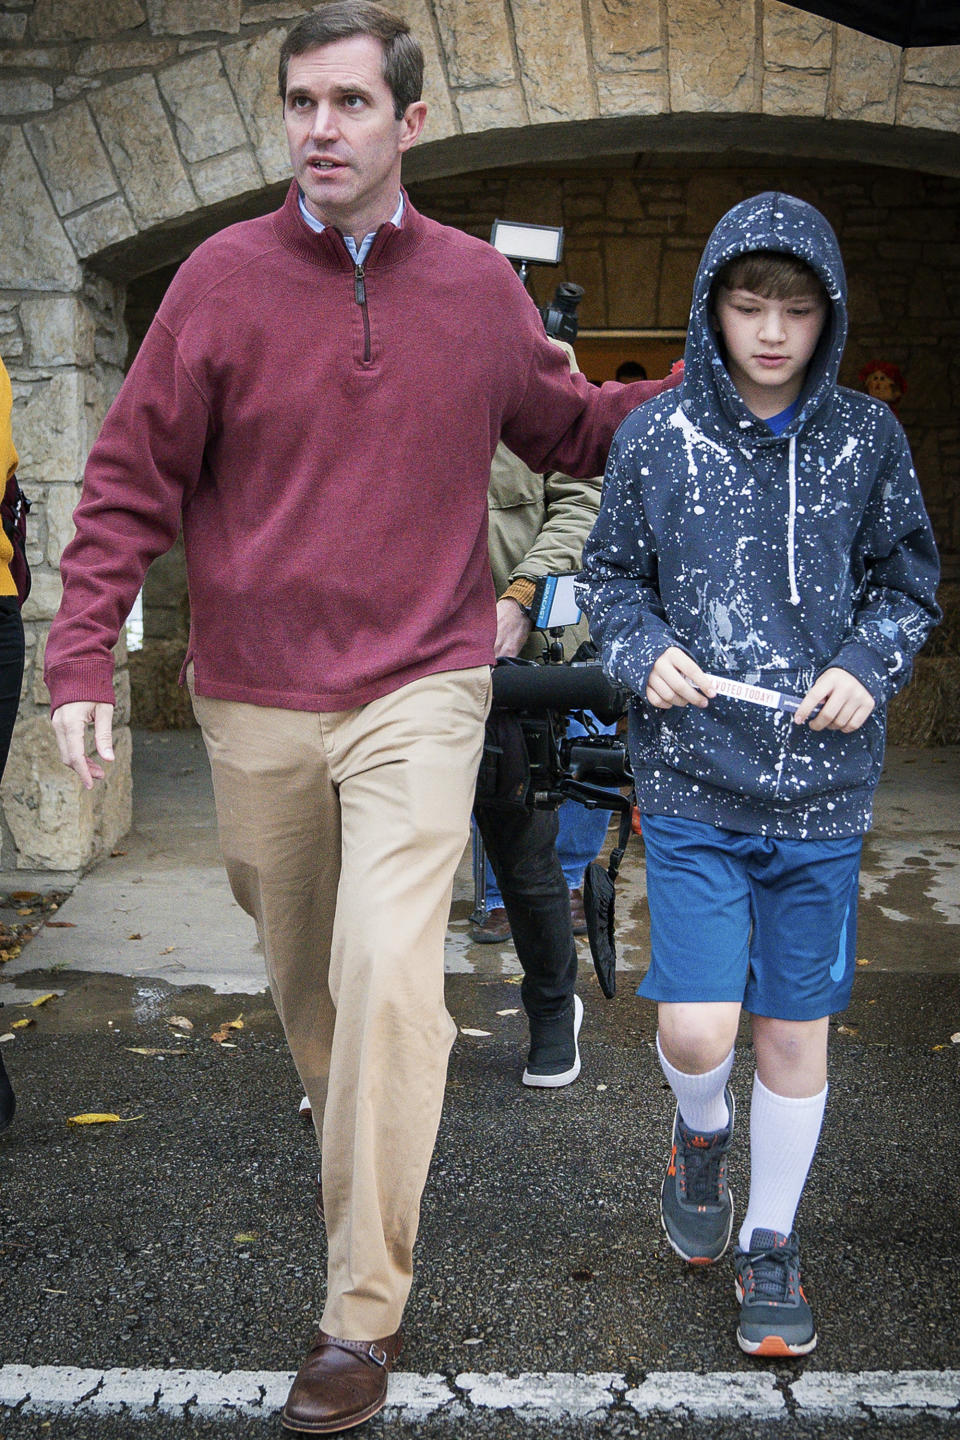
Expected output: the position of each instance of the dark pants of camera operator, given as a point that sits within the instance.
(11, 670)
(521, 846)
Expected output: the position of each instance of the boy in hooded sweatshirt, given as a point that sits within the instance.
(761, 525)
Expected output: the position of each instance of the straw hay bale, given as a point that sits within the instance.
(157, 701)
(945, 639)
(927, 711)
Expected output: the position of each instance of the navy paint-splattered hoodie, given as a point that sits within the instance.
(768, 558)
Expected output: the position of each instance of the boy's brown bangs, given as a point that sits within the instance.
(771, 274)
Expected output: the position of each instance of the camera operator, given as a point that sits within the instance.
(537, 526)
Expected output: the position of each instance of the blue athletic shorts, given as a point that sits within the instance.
(769, 924)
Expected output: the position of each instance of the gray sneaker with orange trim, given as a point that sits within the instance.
(696, 1203)
(775, 1318)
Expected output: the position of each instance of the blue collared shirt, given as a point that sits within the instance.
(359, 255)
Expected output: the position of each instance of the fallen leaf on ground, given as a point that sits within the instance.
(465, 1031)
(25, 912)
(508, 1012)
(135, 936)
(95, 1117)
(863, 962)
(8, 1036)
(115, 853)
(22, 1024)
(42, 999)
(169, 950)
(847, 1030)
(955, 1039)
(152, 1050)
(22, 896)
(179, 1022)
(245, 1239)
(222, 1031)
(60, 925)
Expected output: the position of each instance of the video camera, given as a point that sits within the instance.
(560, 316)
(529, 758)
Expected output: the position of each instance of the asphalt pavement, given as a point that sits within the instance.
(161, 1274)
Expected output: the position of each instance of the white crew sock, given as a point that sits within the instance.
(700, 1097)
(783, 1139)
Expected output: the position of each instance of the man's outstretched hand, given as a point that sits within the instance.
(70, 727)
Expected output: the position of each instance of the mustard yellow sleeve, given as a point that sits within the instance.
(8, 458)
(7, 448)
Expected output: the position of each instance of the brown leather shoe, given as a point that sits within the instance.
(341, 1383)
(493, 929)
(578, 915)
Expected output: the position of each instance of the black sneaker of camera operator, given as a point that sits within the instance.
(554, 1058)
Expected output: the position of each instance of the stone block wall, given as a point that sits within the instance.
(131, 128)
(65, 354)
(119, 116)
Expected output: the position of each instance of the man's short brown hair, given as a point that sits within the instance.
(770, 273)
(342, 19)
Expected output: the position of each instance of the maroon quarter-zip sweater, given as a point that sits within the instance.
(325, 434)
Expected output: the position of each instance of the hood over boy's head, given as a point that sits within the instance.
(778, 247)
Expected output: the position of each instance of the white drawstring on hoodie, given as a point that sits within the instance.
(792, 524)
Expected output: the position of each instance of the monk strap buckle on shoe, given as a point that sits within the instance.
(340, 1384)
(366, 1349)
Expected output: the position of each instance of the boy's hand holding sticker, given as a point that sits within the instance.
(844, 704)
(836, 701)
(676, 679)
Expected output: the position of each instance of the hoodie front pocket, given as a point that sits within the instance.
(823, 762)
(723, 746)
(760, 753)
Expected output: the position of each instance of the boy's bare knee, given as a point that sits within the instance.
(697, 1037)
(791, 1054)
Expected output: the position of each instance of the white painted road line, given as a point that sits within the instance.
(743, 1395)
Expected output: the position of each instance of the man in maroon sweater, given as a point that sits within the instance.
(317, 402)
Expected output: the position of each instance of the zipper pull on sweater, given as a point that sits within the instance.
(360, 295)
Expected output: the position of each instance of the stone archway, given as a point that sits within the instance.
(131, 128)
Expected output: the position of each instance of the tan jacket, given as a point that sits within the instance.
(538, 526)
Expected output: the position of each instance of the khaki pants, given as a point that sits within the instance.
(341, 833)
